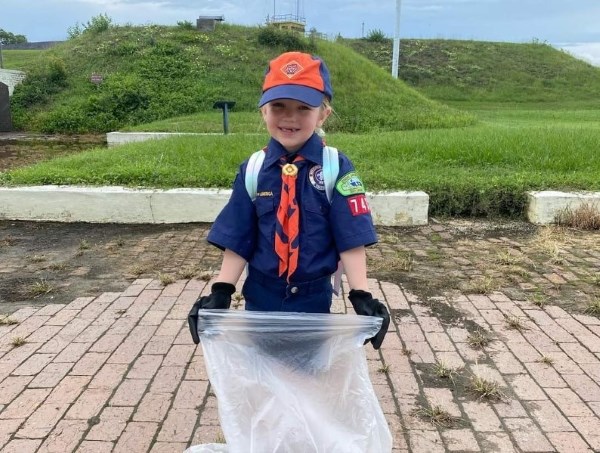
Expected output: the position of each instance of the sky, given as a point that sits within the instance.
(573, 25)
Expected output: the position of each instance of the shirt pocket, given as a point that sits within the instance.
(264, 206)
(316, 217)
(266, 215)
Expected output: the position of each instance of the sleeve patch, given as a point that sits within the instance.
(358, 205)
(350, 184)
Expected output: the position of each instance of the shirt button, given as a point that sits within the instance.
(294, 289)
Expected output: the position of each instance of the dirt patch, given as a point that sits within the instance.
(544, 265)
(19, 150)
(45, 262)
(56, 262)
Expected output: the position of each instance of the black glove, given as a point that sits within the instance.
(364, 304)
(220, 297)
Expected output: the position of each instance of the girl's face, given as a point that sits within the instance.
(291, 122)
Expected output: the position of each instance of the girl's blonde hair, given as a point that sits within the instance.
(326, 105)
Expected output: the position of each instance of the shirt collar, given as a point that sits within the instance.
(312, 150)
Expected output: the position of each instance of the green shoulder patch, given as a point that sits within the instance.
(350, 184)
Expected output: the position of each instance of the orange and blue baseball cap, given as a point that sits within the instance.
(298, 76)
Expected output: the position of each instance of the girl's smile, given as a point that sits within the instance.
(291, 122)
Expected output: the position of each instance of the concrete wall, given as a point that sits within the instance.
(11, 78)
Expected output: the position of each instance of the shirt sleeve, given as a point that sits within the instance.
(350, 214)
(235, 226)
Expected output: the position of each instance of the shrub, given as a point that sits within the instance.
(124, 97)
(98, 24)
(41, 83)
(271, 36)
(95, 25)
(185, 24)
(376, 36)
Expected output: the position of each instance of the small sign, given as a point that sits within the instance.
(96, 78)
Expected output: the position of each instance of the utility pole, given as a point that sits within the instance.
(396, 50)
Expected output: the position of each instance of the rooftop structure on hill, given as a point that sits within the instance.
(292, 21)
(207, 23)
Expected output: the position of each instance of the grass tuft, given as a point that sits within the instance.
(546, 360)
(138, 270)
(7, 321)
(187, 273)
(505, 258)
(485, 389)
(206, 276)
(40, 288)
(442, 370)
(482, 285)
(17, 342)
(539, 300)
(84, 244)
(37, 258)
(166, 279)
(593, 308)
(584, 217)
(478, 339)
(437, 416)
(384, 369)
(57, 266)
(515, 322)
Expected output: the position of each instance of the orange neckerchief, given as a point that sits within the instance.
(288, 216)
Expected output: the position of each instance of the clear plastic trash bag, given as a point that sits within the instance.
(292, 382)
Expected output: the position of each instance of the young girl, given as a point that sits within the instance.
(291, 235)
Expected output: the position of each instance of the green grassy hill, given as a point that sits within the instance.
(488, 72)
(156, 72)
(21, 60)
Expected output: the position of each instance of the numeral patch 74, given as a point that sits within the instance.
(358, 205)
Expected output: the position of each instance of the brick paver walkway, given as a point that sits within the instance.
(119, 373)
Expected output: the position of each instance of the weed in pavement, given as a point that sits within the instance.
(546, 360)
(166, 279)
(437, 416)
(8, 321)
(478, 339)
(40, 287)
(17, 342)
(514, 322)
(485, 389)
(442, 370)
(593, 308)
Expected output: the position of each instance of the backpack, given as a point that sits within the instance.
(331, 169)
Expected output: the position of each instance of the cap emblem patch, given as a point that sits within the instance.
(291, 68)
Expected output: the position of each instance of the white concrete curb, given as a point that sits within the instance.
(123, 205)
(544, 206)
(120, 138)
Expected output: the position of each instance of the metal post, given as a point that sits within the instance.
(396, 50)
(225, 120)
(1, 59)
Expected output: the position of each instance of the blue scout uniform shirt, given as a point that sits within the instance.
(326, 229)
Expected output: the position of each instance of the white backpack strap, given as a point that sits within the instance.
(331, 169)
(336, 278)
(252, 169)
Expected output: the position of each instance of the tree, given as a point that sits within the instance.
(7, 37)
